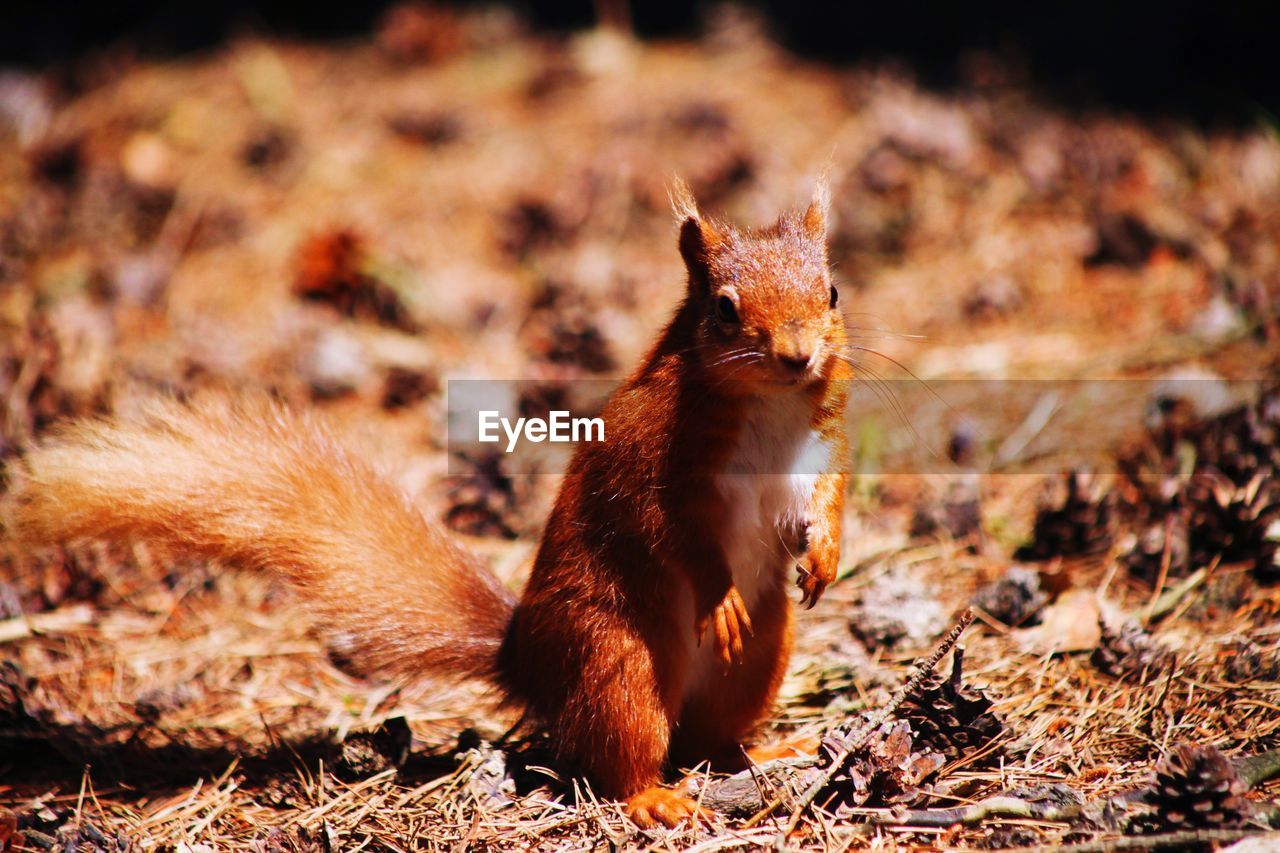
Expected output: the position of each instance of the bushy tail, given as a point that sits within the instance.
(247, 482)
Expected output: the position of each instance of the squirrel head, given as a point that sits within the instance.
(765, 307)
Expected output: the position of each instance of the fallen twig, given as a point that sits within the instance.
(859, 737)
(1256, 769)
(1187, 839)
(1034, 423)
(992, 807)
(744, 792)
(1170, 598)
(1166, 559)
(1253, 770)
(54, 622)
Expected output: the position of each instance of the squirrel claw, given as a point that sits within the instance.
(731, 623)
(700, 628)
(811, 587)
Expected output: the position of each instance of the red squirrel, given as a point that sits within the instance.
(655, 625)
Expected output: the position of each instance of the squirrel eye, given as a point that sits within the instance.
(835, 296)
(726, 311)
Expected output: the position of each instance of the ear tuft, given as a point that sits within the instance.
(816, 217)
(683, 204)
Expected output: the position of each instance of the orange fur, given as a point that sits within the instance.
(603, 644)
(248, 482)
(656, 616)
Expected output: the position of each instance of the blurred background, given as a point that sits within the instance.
(349, 205)
(1184, 57)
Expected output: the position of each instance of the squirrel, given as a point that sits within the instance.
(655, 626)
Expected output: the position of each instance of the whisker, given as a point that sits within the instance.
(880, 327)
(909, 372)
(739, 350)
(860, 333)
(704, 345)
(738, 369)
(732, 358)
(782, 539)
(885, 393)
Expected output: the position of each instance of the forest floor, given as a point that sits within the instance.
(349, 226)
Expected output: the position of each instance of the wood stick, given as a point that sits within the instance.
(858, 739)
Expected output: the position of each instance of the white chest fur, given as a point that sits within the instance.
(767, 485)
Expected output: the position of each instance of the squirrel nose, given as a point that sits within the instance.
(797, 363)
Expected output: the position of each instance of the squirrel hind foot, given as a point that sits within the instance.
(655, 807)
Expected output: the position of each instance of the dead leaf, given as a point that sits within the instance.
(1070, 624)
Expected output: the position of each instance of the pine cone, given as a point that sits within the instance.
(1215, 482)
(1130, 651)
(362, 754)
(1247, 662)
(562, 328)
(1239, 443)
(958, 514)
(484, 502)
(331, 268)
(952, 719)
(888, 771)
(1013, 599)
(1081, 525)
(1232, 523)
(1196, 787)
(1243, 442)
(1147, 555)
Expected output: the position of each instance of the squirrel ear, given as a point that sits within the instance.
(698, 238)
(815, 218)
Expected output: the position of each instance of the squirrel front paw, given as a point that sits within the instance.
(729, 623)
(816, 574)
